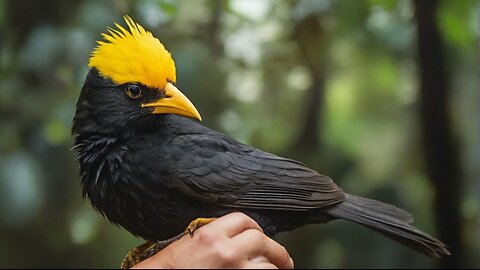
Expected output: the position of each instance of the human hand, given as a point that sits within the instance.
(232, 241)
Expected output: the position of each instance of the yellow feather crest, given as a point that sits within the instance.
(133, 56)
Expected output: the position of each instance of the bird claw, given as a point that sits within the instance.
(196, 224)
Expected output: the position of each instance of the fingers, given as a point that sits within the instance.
(277, 254)
(258, 245)
(259, 262)
(233, 224)
(264, 265)
(232, 241)
(259, 259)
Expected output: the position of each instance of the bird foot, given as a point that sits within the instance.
(159, 245)
(148, 249)
(136, 255)
(145, 251)
(196, 224)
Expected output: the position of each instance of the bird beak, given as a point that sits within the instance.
(174, 102)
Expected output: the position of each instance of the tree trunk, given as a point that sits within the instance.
(309, 137)
(440, 149)
(312, 40)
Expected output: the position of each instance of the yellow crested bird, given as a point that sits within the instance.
(148, 166)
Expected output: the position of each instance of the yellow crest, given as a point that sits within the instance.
(133, 56)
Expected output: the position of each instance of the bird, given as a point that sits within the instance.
(147, 164)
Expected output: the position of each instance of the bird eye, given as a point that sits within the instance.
(134, 91)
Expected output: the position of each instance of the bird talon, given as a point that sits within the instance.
(196, 224)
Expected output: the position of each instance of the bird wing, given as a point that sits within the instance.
(217, 169)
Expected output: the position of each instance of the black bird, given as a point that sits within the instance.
(146, 166)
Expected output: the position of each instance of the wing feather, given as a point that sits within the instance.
(217, 169)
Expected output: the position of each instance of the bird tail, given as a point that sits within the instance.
(390, 221)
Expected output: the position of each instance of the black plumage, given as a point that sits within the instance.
(154, 173)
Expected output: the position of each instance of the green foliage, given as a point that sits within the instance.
(459, 23)
(242, 65)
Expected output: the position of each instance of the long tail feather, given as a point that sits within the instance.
(390, 221)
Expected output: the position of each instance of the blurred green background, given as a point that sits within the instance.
(381, 95)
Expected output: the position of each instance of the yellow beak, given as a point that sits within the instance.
(174, 102)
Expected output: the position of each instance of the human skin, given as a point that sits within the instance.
(232, 241)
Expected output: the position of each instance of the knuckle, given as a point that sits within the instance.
(245, 219)
(206, 237)
(225, 255)
(285, 257)
(258, 235)
(241, 216)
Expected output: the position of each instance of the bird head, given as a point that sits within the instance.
(132, 77)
